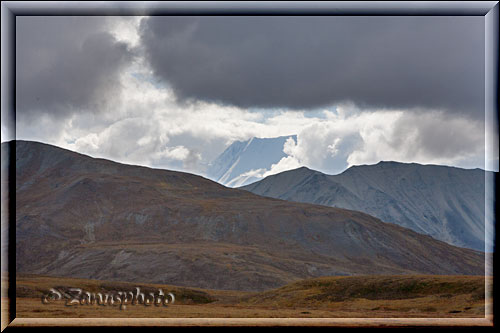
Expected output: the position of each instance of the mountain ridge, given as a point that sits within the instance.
(77, 216)
(424, 198)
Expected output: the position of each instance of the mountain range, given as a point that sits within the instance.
(447, 203)
(78, 216)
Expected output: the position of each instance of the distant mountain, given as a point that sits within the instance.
(78, 216)
(235, 165)
(446, 203)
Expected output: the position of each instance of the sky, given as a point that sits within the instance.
(174, 92)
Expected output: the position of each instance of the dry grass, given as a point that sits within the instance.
(331, 297)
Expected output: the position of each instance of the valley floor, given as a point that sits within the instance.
(330, 297)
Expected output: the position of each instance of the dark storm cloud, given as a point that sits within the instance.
(307, 62)
(65, 64)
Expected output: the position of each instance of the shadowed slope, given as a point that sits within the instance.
(446, 203)
(91, 218)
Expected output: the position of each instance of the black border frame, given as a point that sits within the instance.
(11, 9)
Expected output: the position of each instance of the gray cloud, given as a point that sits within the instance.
(67, 64)
(307, 62)
(436, 136)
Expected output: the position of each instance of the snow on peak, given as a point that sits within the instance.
(244, 162)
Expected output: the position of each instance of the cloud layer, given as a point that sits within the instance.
(309, 62)
(66, 65)
(174, 92)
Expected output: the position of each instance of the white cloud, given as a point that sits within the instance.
(286, 163)
(332, 149)
(424, 137)
(176, 153)
(125, 29)
(351, 137)
(150, 128)
(250, 176)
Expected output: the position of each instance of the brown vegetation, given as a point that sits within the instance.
(78, 216)
(328, 297)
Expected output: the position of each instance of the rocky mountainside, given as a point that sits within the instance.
(241, 161)
(77, 216)
(446, 203)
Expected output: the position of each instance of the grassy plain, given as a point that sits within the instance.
(377, 296)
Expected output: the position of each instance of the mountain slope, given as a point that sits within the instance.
(237, 165)
(444, 202)
(77, 216)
